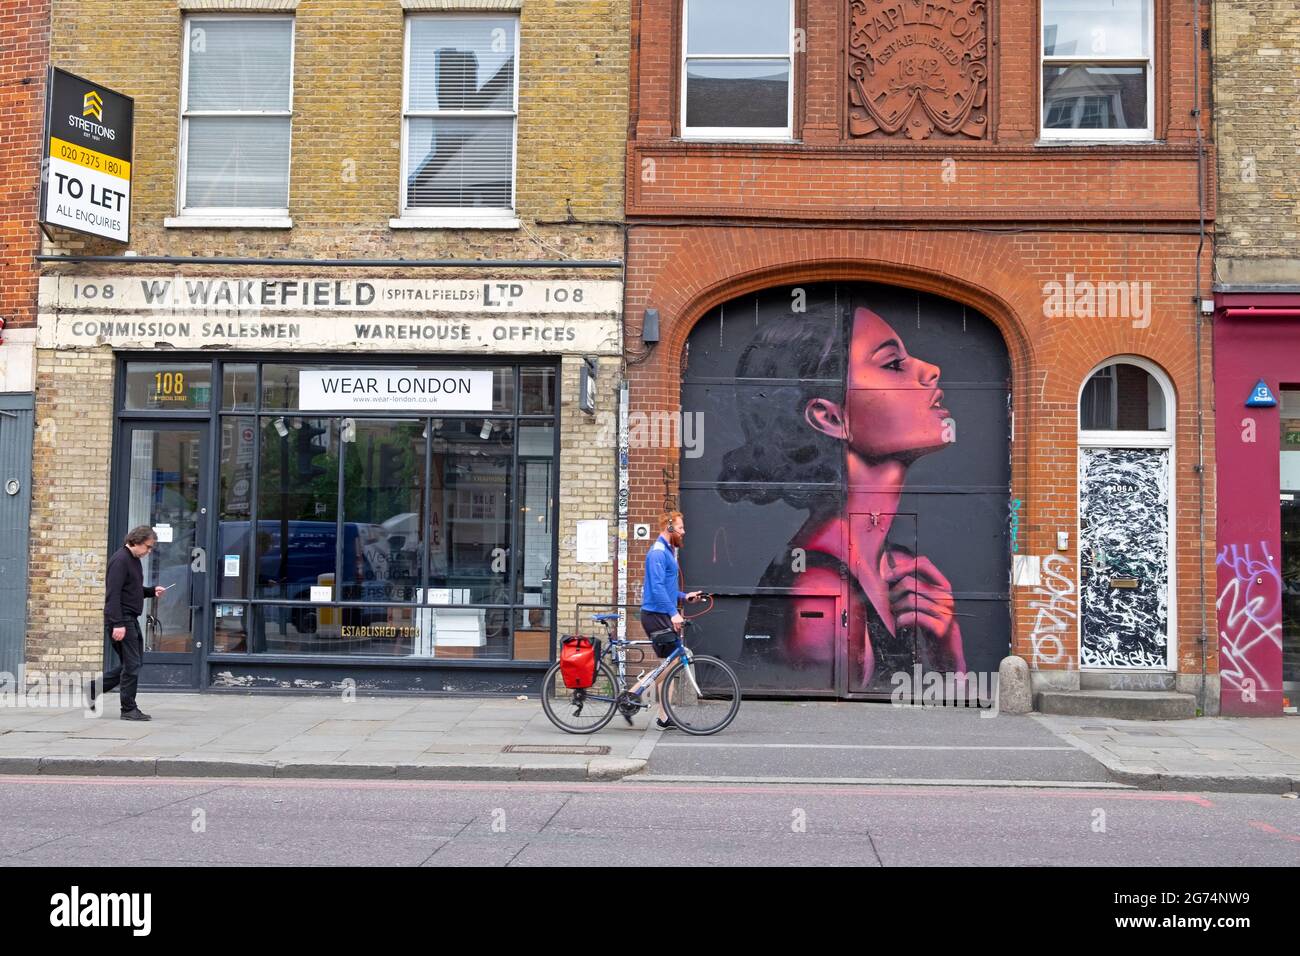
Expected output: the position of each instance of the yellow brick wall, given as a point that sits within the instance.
(346, 130)
(1257, 128)
(70, 494)
(587, 491)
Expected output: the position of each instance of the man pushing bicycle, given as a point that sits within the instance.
(660, 595)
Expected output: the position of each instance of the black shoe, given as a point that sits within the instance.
(664, 724)
(89, 691)
(135, 715)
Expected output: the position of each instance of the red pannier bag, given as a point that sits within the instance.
(578, 657)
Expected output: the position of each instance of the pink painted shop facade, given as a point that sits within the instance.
(1257, 339)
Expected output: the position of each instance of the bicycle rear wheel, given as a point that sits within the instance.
(579, 711)
(703, 697)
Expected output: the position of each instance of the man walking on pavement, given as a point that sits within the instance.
(660, 617)
(124, 596)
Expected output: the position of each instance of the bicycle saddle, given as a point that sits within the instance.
(612, 616)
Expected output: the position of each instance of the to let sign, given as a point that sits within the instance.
(86, 184)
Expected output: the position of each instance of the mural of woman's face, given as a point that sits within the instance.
(893, 405)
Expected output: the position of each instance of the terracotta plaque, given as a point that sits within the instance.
(918, 69)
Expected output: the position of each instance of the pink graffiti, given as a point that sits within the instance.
(1250, 614)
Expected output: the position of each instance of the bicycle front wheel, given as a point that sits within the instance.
(579, 711)
(701, 697)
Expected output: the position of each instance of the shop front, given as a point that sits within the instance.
(386, 518)
(1257, 381)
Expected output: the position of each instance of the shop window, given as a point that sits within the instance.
(1122, 397)
(236, 112)
(738, 69)
(234, 505)
(1097, 69)
(535, 511)
(170, 386)
(351, 532)
(239, 388)
(472, 487)
(336, 630)
(1290, 502)
(297, 503)
(459, 117)
(533, 635)
(383, 498)
(537, 391)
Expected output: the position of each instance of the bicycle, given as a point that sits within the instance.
(700, 693)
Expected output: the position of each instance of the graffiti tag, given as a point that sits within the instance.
(1055, 603)
(1250, 616)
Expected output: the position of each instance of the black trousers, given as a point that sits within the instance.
(130, 655)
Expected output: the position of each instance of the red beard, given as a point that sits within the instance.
(675, 538)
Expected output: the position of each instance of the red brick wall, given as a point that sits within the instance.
(713, 221)
(24, 54)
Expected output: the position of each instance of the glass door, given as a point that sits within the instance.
(162, 483)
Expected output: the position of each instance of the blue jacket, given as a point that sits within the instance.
(659, 593)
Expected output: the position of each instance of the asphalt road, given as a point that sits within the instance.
(876, 741)
(106, 822)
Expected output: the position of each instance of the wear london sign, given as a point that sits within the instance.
(379, 389)
(918, 69)
(466, 315)
(86, 181)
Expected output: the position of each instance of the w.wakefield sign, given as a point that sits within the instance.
(319, 314)
(918, 68)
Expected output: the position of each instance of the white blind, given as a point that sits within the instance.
(461, 63)
(237, 161)
(241, 64)
(238, 66)
(460, 162)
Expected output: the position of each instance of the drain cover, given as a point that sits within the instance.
(554, 749)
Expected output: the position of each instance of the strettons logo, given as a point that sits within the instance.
(91, 121)
(93, 105)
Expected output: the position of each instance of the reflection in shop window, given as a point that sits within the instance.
(469, 520)
(1290, 502)
(533, 634)
(297, 504)
(239, 388)
(535, 505)
(537, 391)
(234, 505)
(383, 497)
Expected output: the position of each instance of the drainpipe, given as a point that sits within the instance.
(1196, 309)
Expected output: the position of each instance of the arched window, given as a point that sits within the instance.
(1125, 395)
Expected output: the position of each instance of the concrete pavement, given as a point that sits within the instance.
(244, 735)
(265, 735)
(1223, 754)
